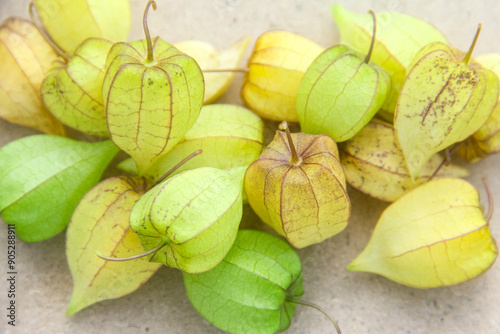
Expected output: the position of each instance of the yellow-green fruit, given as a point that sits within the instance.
(151, 102)
(340, 93)
(443, 101)
(486, 140)
(191, 218)
(374, 164)
(301, 195)
(73, 91)
(399, 38)
(25, 58)
(209, 58)
(275, 69)
(100, 224)
(436, 235)
(253, 290)
(43, 177)
(69, 23)
(229, 135)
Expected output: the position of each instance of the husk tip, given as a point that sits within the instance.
(353, 266)
(336, 9)
(73, 307)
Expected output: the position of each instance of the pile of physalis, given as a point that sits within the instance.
(392, 98)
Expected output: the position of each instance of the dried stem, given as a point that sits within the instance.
(447, 156)
(35, 18)
(295, 160)
(149, 252)
(173, 169)
(471, 49)
(445, 161)
(150, 3)
(372, 44)
(489, 215)
(302, 302)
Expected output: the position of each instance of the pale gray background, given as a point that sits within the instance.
(362, 303)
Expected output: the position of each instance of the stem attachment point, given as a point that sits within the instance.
(295, 160)
(471, 49)
(150, 3)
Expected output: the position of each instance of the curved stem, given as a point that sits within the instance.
(173, 169)
(372, 44)
(295, 160)
(445, 161)
(471, 49)
(447, 156)
(150, 3)
(489, 215)
(302, 302)
(35, 18)
(149, 252)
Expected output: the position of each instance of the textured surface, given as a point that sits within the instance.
(100, 224)
(361, 302)
(303, 198)
(374, 164)
(339, 80)
(43, 172)
(23, 71)
(439, 91)
(208, 57)
(267, 268)
(276, 66)
(434, 235)
(230, 136)
(149, 108)
(398, 38)
(195, 216)
(73, 92)
(96, 18)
